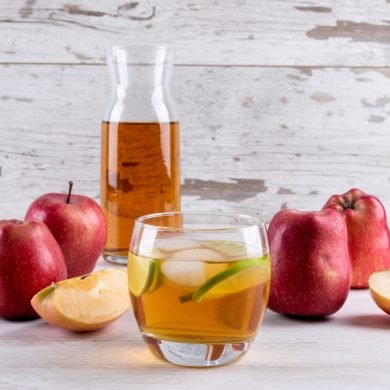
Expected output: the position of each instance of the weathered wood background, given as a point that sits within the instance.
(282, 103)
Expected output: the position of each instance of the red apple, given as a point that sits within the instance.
(310, 264)
(368, 233)
(77, 223)
(30, 260)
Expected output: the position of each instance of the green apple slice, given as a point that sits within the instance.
(239, 277)
(143, 275)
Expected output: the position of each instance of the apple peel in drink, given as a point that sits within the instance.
(85, 303)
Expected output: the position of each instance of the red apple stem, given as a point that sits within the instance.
(348, 204)
(69, 191)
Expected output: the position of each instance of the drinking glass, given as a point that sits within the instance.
(199, 284)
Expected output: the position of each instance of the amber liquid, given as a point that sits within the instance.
(231, 317)
(139, 175)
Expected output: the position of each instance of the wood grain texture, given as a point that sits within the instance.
(239, 32)
(252, 139)
(347, 351)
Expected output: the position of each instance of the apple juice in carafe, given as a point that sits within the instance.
(139, 144)
(139, 176)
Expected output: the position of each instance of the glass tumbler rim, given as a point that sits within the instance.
(138, 48)
(256, 222)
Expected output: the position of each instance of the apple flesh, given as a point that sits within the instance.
(30, 259)
(85, 303)
(310, 263)
(368, 233)
(77, 223)
(379, 284)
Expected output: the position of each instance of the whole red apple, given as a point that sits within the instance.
(368, 233)
(77, 223)
(30, 260)
(310, 264)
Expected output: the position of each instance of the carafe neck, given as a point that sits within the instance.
(140, 70)
(140, 77)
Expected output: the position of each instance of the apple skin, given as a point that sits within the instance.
(78, 226)
(368, 233)
(30, 260)
(311, 272)
(85, 303)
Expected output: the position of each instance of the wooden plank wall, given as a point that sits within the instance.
(282, 103)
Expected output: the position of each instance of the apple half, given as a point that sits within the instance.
(379, 284)
(84, 303)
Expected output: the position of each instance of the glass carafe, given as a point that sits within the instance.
(140, 162)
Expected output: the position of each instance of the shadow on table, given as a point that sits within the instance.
(39, 330)
(374, 321)
(274, 319)
(113, 348)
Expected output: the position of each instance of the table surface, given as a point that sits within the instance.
(349, 350)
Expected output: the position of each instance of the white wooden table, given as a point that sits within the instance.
(350, 350)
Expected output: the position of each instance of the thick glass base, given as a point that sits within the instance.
(195, 354)
(115, 258)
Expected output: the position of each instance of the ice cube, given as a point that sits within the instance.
(185, 273)
(200, 254)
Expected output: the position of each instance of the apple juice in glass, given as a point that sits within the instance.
(199, 284)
